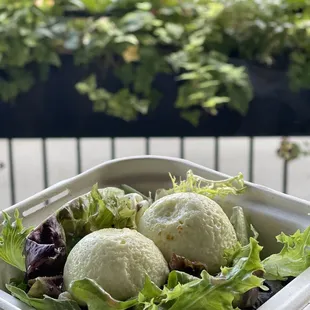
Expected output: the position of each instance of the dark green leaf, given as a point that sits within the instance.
(137, 20)
(46, 303)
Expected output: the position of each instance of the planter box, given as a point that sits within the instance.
(270, 212)
(275, 110)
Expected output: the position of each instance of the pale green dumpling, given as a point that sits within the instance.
(118, 260)
(190, 225)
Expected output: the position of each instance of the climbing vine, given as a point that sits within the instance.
(140, 40)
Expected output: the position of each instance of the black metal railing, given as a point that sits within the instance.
(147, 150)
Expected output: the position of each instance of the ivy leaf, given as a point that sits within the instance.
(87, 85)
(175, 30)
(96, 6)
(213, 102)
(192, 116)
(135, 21)
(144, 6)
(131, 54)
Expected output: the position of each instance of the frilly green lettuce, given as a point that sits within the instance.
(196, 184)
(12, 240)
(293, 259)
(213, 293)
(102, 208)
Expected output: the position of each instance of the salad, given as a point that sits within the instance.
(115, 248)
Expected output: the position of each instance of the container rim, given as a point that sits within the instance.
(62, 184)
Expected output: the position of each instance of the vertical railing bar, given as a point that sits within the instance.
(79, 156)
(285, 176)
(216, 153)
(112, 147)
(45, 168)
(182, 147)
(147, 146)
(251, 159)
(11, 164)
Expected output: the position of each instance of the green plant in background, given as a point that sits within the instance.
(290, 150)
(149, 40)
(141, 40)
(25, 38)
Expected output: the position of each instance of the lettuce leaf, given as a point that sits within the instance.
(243, 229)
(179, 277)
(45, 250)
(127, 208)
(102, 208)
(51, 286)
(73, 218)
(240, 224)
(130, 190)
(196, 184)
(12, 241)
(150, 291)
(219, 292)
(46, 303)
(182, 291)
(47, 246)
(244, 232)
(293, 259)
(88, 292)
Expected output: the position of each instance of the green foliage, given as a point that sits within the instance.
(26, 37)
(290, 150)
(121, 104)
(191, 40)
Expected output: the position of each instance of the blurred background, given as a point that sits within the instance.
(225, 84)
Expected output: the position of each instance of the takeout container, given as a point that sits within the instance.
(269, 211)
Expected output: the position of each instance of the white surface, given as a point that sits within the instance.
(271, 212)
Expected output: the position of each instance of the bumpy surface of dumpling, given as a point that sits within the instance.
(118, 260)
(190, 225)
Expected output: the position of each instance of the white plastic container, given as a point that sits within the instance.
(270, 212)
